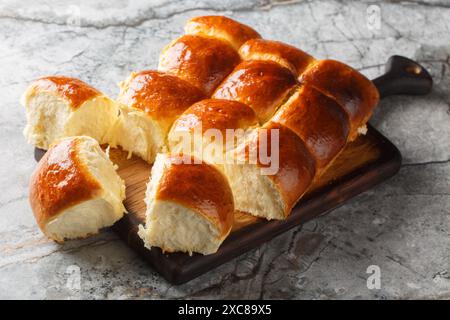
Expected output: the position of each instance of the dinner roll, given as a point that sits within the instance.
(203, 62)
(318, 120)
(189, 206)
(58, 106)
(286, 55)
(272, 193)
(221, 27)
(149, 103)
(204, 129)
(352, 90)
(262, 85)
(75, 190)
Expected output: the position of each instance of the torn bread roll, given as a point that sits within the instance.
(75, 190)
(149, 102)
(58, 107)
(211, 128)
(272, 170)
(189, 206)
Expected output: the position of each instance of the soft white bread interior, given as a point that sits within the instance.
(138, 133)
(75, 190)
(58, 107)
(253, 192)
(189, 206)
(149, 102)
(269, 183)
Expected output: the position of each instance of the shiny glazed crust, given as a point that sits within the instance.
(162, 96)
(198, 186)
(286, 55)
(318, 120)
(216, 114)
(262, 85)
(296, 164)
(221, 27)
(61, 180)
(75, 91)
(316, 106)
(203, 62)
(356, 94)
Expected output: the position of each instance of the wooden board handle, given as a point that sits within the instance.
(403, 76)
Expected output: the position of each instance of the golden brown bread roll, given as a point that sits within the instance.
(221, 27)
(268, 50)
(273, 193)
(353, 91)
(75, 190)
(58, 106)
(210, 123)
(262, 85)
(149, 103)
(189, 206)
(318, 120)
(203, 62)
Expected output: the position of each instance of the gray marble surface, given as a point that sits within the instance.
(402, 226)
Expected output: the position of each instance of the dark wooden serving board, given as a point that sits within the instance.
(364, 163)
(367, 161)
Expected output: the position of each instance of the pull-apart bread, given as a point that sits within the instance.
(314, 106)
(75, 190)
(58, 107)
(270, 190)
(189, 206)
(293, 113)
(223, 28)
(149, 102)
